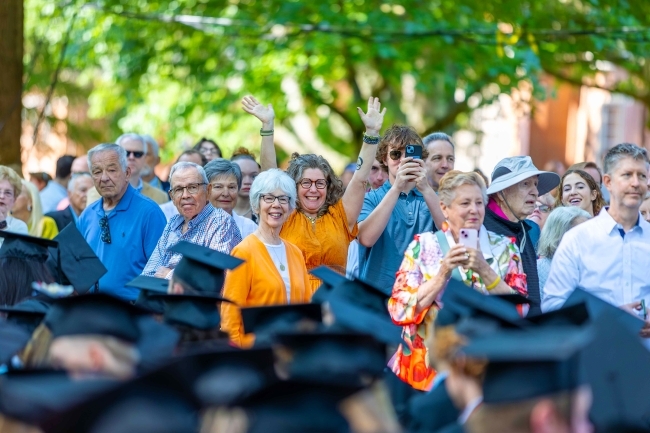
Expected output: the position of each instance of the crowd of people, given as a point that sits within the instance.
(401, 296)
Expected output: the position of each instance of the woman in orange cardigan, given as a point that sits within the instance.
(274, 271)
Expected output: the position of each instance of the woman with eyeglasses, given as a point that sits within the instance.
(578, 188)
(208, 148)
(274, 270)
(325, 220)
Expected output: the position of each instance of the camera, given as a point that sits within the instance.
(410, 149)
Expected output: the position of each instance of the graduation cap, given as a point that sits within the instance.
(74, 261)
(527, 364)
(360, 307)
(521, 303)
(198, 311)
(571, 315)
(297, 407)
(12, 339)
(149, 287)
(27, 314)
(597, 306)
(25, 247)
(267, 321)
(329, 278)
(334, 357)
(202, 268)
(615, 365)
(94, 314)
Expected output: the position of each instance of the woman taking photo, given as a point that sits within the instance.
(274, 270)
(491, 266)
(325, 220)
(579, 189)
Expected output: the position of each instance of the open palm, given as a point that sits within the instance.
(262, 112)
(373, 118)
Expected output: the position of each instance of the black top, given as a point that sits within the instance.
(432, 411)
(25, 247)
(498, 225)
(61, 217)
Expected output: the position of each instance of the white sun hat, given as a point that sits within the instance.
(511, 171)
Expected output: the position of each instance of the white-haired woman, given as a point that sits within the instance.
(560, 221)
(274, 271)
(491, 266)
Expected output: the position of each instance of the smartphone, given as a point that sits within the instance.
(413, 151)
(644, 312)
(468, 238)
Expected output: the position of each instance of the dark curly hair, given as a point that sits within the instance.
(397, 137)
(300, 163)
(598, 203)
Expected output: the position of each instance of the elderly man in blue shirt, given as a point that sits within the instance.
(197, 221)
(123, 226)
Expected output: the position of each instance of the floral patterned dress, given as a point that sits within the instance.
(421, 262)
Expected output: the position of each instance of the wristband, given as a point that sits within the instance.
(494, 283)
(264, 133)
(368, 139)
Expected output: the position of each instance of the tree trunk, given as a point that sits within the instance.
(11, 80)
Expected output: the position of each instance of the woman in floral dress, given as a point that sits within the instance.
(492, 267)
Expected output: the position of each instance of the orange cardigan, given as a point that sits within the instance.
(257, 282)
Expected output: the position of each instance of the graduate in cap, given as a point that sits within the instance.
(264, 323)
(22, 260)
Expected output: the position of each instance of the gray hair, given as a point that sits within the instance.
(75, 177)
(267, 182)
(222, 167)
(560, 221)
(437, 136)
(132, 136)
(108, 147)
(620, 151)
(185, 165)
(148, 139)
(454, 179)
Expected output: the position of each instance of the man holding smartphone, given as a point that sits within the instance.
(401, 208)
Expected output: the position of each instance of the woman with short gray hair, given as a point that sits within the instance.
(560, 221)
(274, 270)
(225, 178)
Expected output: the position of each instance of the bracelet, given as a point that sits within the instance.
(264, 133)
(494, 283)
(369, 139)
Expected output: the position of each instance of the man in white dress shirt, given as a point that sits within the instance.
(609, 255)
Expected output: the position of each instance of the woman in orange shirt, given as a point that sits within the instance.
(325, 220)
(274, 271)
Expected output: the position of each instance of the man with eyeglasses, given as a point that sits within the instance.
(136, 151)
(123, 226)
(197, 221)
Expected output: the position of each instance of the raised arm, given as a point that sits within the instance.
(266, 115)
(353, 197)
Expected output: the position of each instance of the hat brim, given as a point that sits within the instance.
(361, 320)
(547, 181)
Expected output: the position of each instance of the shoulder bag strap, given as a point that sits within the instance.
(444, 247)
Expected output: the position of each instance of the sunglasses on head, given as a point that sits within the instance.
(137, 155)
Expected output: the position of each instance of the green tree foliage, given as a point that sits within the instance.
(178, 68)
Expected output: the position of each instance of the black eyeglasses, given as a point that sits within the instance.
(106, 233)
(282, 199)
(307, 183)
(192, 188)
(137, 155)
(395, 154)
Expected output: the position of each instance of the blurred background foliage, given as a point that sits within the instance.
(177, 69)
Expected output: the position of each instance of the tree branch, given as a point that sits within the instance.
(448, 118)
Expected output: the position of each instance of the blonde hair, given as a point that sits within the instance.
(454, 179)
(8, 174)
(34, 355)
(35, 221)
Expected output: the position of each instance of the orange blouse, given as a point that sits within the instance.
(324, 242)
(257, 282)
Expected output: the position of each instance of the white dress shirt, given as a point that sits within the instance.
(246, 225)
(597, 258)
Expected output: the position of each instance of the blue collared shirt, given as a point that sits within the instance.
(410, 216)
(212, 228)
(135, 225)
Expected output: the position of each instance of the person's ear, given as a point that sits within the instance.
(128, 173)
(607, 181)
(445, 210)
(594, 194)
(97, 356)
(544, 418)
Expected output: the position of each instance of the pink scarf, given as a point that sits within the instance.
(494, 207)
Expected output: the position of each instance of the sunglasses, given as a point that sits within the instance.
(395, 154)
(106, 233)
(137, 155)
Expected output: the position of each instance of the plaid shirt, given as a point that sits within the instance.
(212, 228)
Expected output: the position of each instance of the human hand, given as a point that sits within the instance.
(422, 182)
(162, 272)
(457, 256)
(264, 113)
(476, 262)
(373, 118)
(407, 175)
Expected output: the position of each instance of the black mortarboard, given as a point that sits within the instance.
(75, 262)
(298, 407)
(149, 287)
(21, 246)
(28, 315)
(329, 278)
(576, 315)
(616, 365)
(532, 363)
(597, 306)
(94, 314)
(12, 339)
(360, 307)
(202, 268)
(157, 343)
(267, 321)
(334, 357)
(198, 311)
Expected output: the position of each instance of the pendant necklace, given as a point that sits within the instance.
(282, 268)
